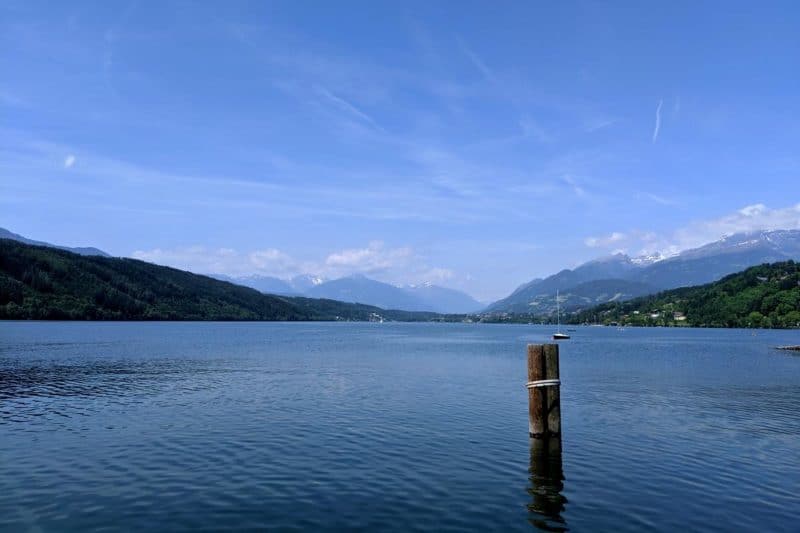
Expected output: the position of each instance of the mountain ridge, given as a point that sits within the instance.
(358, 288)
(81, 250)
(695, 266)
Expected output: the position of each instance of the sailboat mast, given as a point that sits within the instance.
(558, 335)
(558, 311)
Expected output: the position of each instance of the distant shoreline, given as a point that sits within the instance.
(466, 323)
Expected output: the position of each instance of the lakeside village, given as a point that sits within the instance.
(654, 318)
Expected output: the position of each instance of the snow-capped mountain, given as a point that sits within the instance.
(619, 277)
(304, 282)
(360, 289)
(645, 260)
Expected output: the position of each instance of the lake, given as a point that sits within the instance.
(392, 427)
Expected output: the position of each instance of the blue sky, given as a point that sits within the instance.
(476, 145)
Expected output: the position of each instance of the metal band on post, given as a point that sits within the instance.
(543, 383)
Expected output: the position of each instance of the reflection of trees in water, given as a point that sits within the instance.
(546, 484)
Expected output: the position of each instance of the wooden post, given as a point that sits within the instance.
(544, 398)
(554, 392)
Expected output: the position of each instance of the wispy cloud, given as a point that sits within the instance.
(598, 123)
(286, 189)
(573, 185)
(661, 200)
(478, 63)
(347, 107)
(10, 99)
(533, 129)
(657, 126)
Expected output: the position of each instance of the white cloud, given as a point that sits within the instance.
(268, 262)
(399, 266)
(273, 260)
(69, 161)
(751, 211)
(755, 217)
(602, 242)
(657, 127)
(435, 275)
(374, 258)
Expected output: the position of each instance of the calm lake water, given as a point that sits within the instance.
(393, 427)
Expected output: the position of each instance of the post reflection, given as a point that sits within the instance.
(546, 484)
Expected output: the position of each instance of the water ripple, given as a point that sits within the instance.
(401, 427)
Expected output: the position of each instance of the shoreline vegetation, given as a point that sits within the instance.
(42, 283)
(763, 296)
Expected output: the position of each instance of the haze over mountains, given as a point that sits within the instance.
(361, 289)
(617, 277)
(620, 277)
(272, 285)
(613, 278)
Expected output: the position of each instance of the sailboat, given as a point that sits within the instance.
(558, 335)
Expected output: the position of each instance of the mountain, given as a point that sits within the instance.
(692, 267)
(762, 296)
(5, 234)
(720, 258)
(360, 289)
(444, 300)
(583, 295)
(38, 282)
(538, 296)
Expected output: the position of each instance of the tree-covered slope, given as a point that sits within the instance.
(762, 296)
(325, 309)
(45, 283)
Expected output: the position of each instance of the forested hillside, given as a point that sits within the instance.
(49, 284)
(762, 296)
